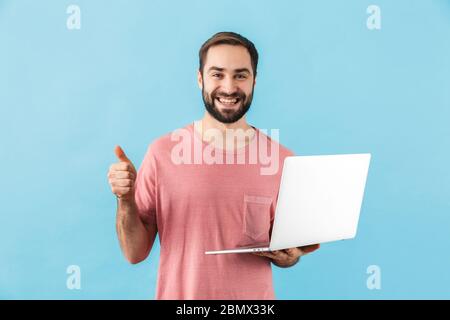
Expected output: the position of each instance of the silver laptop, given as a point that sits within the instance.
(319, 201)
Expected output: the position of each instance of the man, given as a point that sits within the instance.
(209, 200)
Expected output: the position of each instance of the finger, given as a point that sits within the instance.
(262, 254)
(258, 254)
(310, 248)
(266, 254)
(294, 252)
(120, 154)
(281, 255)
(276, 255)
(121, 175)
(122, 182)
(122, 166)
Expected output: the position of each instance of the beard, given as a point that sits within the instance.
(228, 115)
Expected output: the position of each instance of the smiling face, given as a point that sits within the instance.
(227, 82)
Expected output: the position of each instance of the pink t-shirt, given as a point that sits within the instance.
(199, 207)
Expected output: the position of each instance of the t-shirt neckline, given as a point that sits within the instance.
(240, 150)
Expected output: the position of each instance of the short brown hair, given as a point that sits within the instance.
(230, 38)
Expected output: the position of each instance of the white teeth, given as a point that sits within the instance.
(228, 101)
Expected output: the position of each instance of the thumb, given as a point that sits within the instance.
(121, 155)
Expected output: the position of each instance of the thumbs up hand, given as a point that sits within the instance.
(122, 175)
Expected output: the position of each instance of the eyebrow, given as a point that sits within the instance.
(223, 69)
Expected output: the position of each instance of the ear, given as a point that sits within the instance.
(199, 79)
(254, 84)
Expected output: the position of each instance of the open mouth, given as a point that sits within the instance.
(228, 102)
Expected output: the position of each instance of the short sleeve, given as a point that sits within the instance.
(145, 188)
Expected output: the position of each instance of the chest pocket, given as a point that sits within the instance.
(257, 217)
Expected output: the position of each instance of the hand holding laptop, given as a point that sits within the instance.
(287, 257)
(319, 201)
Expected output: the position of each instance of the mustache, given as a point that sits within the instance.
(239, 95)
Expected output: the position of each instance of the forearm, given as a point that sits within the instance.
(135, 238)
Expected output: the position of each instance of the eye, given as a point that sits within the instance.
(216, 75)
(241, 76)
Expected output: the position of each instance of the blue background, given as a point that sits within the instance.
(330, 84)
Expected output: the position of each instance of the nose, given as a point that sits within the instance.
(228, 85)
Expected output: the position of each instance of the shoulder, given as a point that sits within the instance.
(163, 145)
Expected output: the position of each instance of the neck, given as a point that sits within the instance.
(210, 123)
